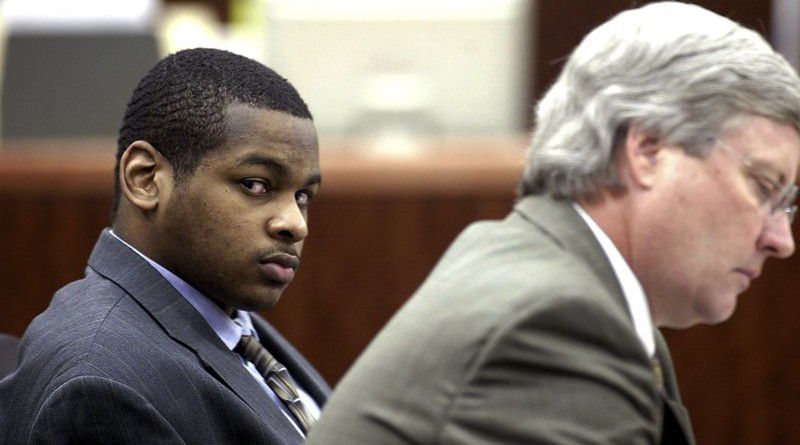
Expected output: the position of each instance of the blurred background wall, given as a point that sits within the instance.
(423, 110)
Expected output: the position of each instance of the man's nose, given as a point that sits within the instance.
(288, 222)
(776, 237)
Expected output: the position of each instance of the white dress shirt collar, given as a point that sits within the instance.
(631, 288)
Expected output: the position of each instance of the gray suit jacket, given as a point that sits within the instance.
(120, 357)
(8, 354)
(520, 335)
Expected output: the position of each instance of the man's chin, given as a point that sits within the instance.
(259, 300)
(262, 302)
(719, 311)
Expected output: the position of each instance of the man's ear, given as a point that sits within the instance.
(145, 176)
(642, 152)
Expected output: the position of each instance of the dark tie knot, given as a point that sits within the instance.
(256, 354)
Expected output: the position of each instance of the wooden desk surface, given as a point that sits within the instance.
(449, 165)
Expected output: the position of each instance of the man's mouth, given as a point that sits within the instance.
(751, 274)
(280, 267)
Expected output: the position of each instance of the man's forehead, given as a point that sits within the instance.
(245, 123)
(768, 144)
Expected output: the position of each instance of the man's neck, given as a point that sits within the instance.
(612, 214)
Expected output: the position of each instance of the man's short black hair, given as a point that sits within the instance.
(178, 106)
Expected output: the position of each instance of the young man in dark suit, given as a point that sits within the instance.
(217, 164)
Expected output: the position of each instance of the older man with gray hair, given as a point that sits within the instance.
(660, 178)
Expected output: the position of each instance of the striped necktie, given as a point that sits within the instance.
(277, 378)
(658, 373)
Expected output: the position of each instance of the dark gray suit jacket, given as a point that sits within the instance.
(8, 354)
(520, 335)
(120, 357)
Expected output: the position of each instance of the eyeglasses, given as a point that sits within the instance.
(781, 198)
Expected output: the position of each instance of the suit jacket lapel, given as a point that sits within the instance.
(563, 224)
(115, 261)
(671, 393)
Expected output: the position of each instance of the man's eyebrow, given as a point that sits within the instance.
(276, 166)
(258, 159)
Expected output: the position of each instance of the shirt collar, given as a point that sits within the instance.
(631, 288)
(228, 329)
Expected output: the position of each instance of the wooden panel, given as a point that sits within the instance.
(45, 242)
(366, 257)
(560, 25)
(740, 378)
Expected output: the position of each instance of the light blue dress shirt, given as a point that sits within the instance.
(229, 330)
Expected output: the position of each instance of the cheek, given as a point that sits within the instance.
(213, 236)
(230, 236)
(221, 216)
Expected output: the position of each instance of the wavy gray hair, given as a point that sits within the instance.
(677, 71)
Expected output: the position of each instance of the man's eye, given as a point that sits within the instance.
(303, 198)
(766, 190)
(256, 186)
